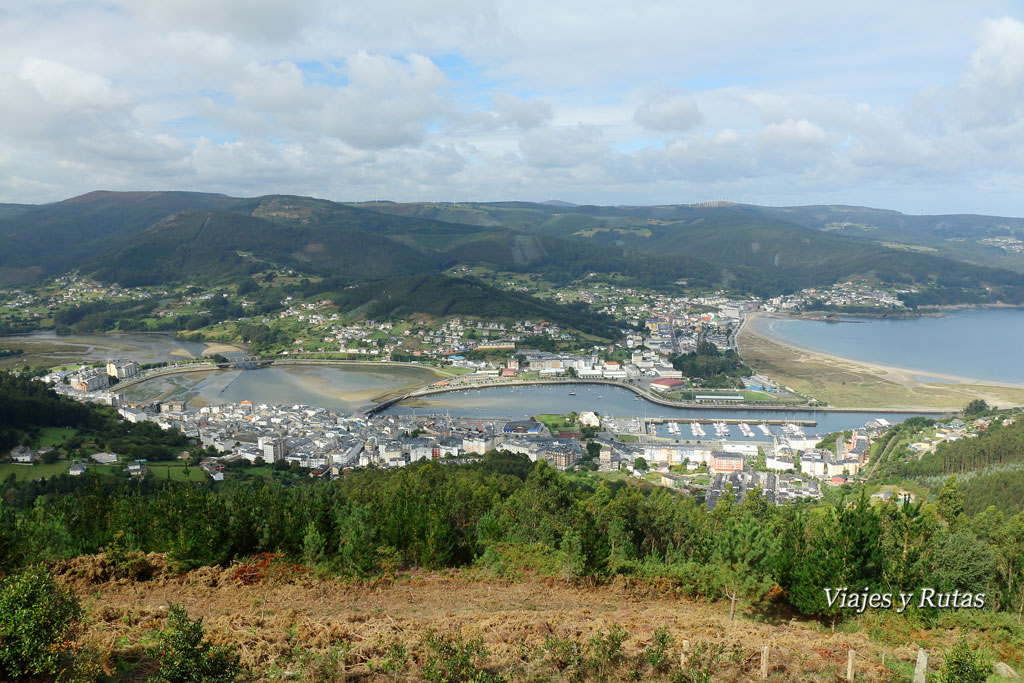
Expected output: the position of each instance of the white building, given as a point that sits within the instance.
(91, 380)
(122, 369)
(273, 448)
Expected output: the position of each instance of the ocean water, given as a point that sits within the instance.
(986, 344)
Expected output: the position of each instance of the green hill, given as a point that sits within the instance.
(155, 237)
(8, 210)
(217, 245)
(963, 237)
(439, 296)
(57, 237)
(774, 250)
(353, 244)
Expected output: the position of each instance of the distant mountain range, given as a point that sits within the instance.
(154, 237)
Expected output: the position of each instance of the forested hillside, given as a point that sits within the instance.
(28, 406)
(998, 445)
(441, 296)
(198, 246)
(60, 236)
(953, 235)
(161, 237)
(784, 254)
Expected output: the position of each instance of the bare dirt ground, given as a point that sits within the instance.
(289, 626)
(847, 383)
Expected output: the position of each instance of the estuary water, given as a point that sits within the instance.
(352, 388)
(608, 401)
(986, 344)
(341, 389)
(52, 349)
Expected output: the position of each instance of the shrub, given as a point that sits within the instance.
(964, 666)
(453, 660)
(185, 657)
(657, 652)
(395, 659)
(37, 618)
(701, 662)
(566, 656)
(606, 651)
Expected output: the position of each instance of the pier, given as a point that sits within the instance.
(729, 420)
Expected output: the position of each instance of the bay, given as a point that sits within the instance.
(981, 344)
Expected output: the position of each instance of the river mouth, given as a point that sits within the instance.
(343, 389)
(50, 349)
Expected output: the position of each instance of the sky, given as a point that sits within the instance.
(914, 106)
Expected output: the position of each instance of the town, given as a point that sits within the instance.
(779, 459)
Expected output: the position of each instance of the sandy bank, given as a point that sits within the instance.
(848, 382)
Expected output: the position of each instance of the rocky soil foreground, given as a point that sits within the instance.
(289, 625)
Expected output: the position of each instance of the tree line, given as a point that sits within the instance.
(708, 363)
(1000, 443)
(501, 512)
(504, 508)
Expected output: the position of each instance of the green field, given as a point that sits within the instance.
(29, 472)
(751, 396)
(175, 472)
(556, 423)
(55, 436)
(453, 371)
(158, 470)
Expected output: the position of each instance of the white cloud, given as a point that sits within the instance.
(999, 60)
(668, 112)
(261, 20)
(63, 87)
(519, 112)
(594, 101)
(563, 147)
(992, 92)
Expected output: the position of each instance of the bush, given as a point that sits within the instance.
(37, 618)
(657, 652)
(964, 666)
(452, 660)
(185, 658)
(607, 652)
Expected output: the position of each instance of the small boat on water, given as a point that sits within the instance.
(572, 393)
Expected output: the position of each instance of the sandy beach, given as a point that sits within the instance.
(849, 383)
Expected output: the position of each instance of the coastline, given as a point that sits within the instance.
(936, 311)
(839, 379)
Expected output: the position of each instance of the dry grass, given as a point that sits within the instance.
(292, 626)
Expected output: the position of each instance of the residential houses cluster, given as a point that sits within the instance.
(861, 293)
